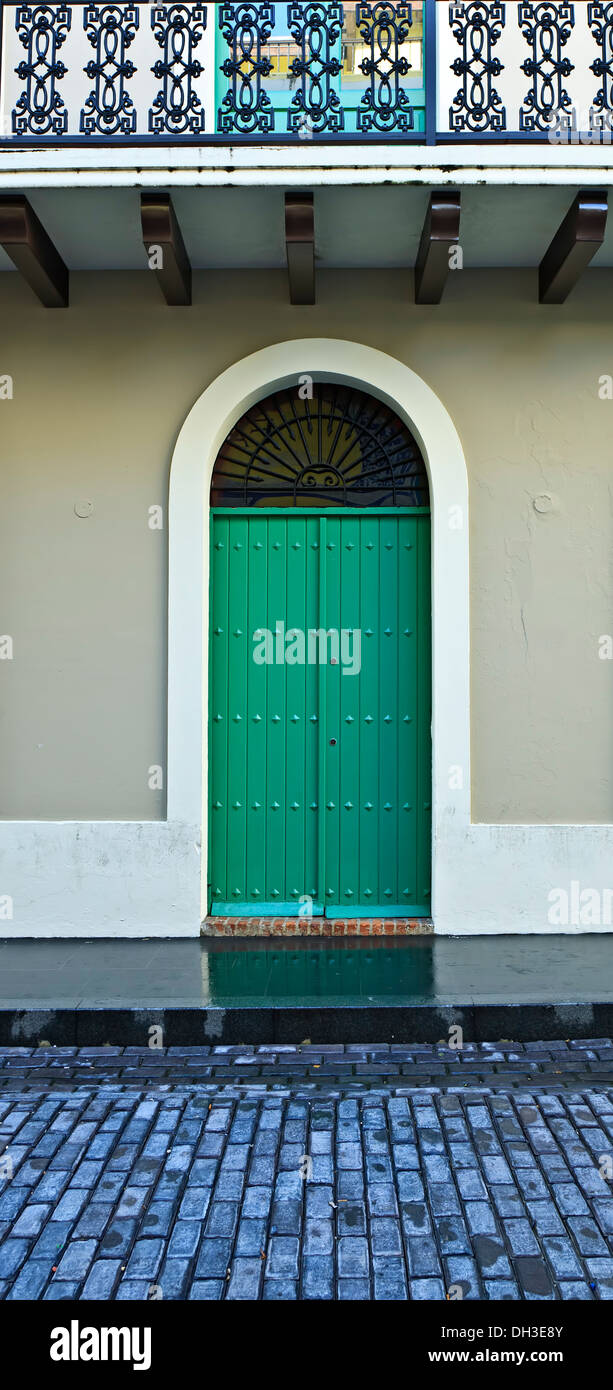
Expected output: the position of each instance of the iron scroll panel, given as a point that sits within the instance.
(547, 29)
(386, 107)
(340, 447)
(477, 107)
(109, 109)
(316, 28)
(40, 109)
(246, 108)
(600, 20)
(177, 109)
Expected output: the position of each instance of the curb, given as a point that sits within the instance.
(128, 1026)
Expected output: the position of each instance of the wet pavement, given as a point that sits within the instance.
(206, 972)
(378, 1172)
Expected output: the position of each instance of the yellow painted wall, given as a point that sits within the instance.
(100, 393)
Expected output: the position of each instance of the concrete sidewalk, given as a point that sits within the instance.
(78, 993)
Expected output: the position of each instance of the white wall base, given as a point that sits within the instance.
(100, 878)
(127, 879)
(498, 878)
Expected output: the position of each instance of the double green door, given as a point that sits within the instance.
(320, 710)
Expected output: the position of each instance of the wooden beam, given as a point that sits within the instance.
(165, 248)
(31, 249)
(300, 245)
(573, 247)
(441, 231)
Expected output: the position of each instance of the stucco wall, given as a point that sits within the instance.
(100, 393)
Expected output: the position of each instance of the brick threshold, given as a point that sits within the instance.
(317, 926)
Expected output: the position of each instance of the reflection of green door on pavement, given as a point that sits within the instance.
(268, 976)
(320, 755)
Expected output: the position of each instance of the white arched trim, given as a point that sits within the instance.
(206, 427)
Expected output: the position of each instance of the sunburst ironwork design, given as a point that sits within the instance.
(336, 447)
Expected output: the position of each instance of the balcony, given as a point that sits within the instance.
(427, 73)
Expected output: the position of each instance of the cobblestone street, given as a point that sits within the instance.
(313, 1172)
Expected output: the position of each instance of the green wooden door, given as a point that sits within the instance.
(320, 754)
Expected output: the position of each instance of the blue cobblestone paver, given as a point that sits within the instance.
(404, 1172)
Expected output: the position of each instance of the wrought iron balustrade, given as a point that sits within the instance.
(429, 71)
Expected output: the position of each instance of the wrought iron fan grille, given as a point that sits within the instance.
(340, 447)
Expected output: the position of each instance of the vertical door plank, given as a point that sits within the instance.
(388, 710)
(322, 766)
(409, 728)
(256, 712)
(424, 741)
(218, 714)
(276, 723)
(349, 717)
(331, 558)
(368, 748)
(311, 718)
(238, 657)
(295, 711)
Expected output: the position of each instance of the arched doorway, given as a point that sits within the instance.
(457, 845)
(320, 760)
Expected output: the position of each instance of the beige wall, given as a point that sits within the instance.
(100, 393)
